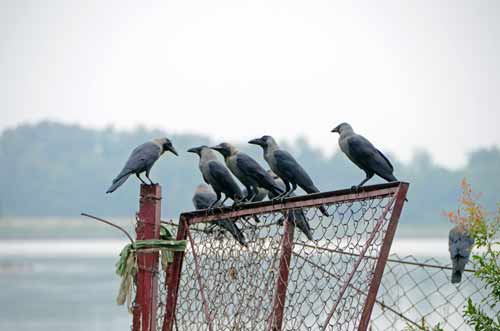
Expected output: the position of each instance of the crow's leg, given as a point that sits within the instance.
(287, 189)
(255, 192)
(294, 187)
(250, 194)
(139, 176)
(368, 177)
(147, 176)
(219, 196)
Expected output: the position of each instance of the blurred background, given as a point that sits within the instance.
(84, 82)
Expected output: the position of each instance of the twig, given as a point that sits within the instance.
(173, 224)
(109, 223)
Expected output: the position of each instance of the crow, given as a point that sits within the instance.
(363, 154)
(204, 198)
(247, 170)
(217, 175)
(141, 160)
(286, 167)
(460, 245)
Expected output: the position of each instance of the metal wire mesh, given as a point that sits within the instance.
(420, 292)
(323, 284)
(162, 296)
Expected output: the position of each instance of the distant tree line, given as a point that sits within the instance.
(52, 169)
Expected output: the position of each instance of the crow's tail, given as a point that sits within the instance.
(456, 276)
(322, 209)
(299, 219)
(117, 182)
(458, 269)
(314, 189)
(233, 230)
(389, 177)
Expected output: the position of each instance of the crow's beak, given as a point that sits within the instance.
(217, 148)
(256, 141)
(172, 149)
(193, 150)
(336, 129)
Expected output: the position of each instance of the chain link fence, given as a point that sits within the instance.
(419, 293)
(281, 280)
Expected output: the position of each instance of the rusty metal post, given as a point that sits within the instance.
(148, 227)
(400, 197)
(276, 321)
(173, 279)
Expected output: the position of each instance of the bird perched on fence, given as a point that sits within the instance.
(141, 160)
(460, 245)
(362, 153)
(297, 216)
(286, 167)
(203, 198)
(217, 175)
(247, 170)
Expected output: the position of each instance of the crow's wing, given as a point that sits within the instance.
(459, 243)
(224, 179)
(252, 169)
(141, 158)
(368, 158)
(288, 166)
(386, 160)
(281, 185)
(299, 219)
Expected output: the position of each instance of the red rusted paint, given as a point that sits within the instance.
(302, 201)
(276, 321)
(148, 227)
(383, 256)
(174, 279)
(136, 317)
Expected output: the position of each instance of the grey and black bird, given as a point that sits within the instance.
(296, 216)
(286, 167)
(204, 198)
(141, 160)
(363, 154)
(460, 245)
(247, 170)
(216, 174)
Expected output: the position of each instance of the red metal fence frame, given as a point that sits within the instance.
(147, 227)
(397, 190)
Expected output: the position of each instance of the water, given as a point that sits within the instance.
(59, 293)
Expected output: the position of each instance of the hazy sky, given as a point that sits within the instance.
(407, 75)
